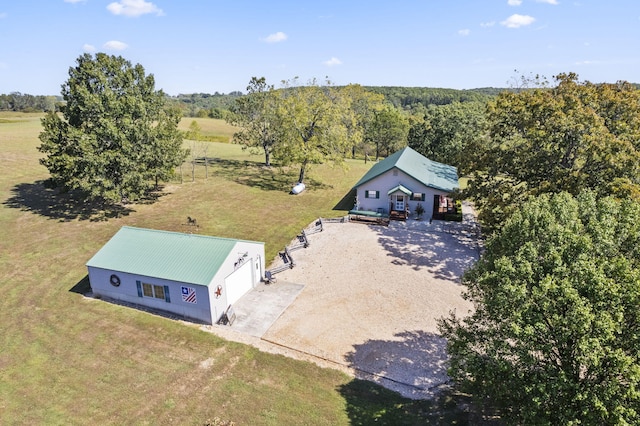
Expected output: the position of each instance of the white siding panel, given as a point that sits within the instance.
(127, 292)
(239, 282)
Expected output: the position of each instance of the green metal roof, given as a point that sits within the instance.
(400, 188)
(173, 256)
(430, 173)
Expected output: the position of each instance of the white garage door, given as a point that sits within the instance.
(239, 282)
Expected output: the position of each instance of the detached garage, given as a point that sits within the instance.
(194, 276)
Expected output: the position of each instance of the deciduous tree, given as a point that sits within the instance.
(115, 137)
(566, 138)
(388, 131)
(312, 129)
(256, 115)
(359, 117)
(554, 337)
(446, 133)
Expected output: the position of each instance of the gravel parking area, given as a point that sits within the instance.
(371, 299)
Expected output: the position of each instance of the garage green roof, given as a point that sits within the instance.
(175, 256)
(429, 173)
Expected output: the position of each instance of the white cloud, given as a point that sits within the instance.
(514, 2)
(553, 2)
(487, 24)
(464, 32)
(88, 47)
(74, 1)
(275, 37)
(115, 45)
(333, 62)
(517, 21)
(133, 8)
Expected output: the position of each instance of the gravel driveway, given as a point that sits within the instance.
(371, 298)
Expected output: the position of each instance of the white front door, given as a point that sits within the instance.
(399, 202)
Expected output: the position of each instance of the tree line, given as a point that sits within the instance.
(23, 102)
(218, 105)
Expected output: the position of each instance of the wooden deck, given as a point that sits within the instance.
(368, 216)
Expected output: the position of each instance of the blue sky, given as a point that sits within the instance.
(212, 45)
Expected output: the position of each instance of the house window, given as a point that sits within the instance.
(153, 290)
(418, 196)
(371, 194)
(158, 291)
(147, 290)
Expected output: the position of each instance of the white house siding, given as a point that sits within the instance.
(127, 291)
(385, 182)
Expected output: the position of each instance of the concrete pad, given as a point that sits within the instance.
(257, 310)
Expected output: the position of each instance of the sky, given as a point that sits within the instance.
(208, 46)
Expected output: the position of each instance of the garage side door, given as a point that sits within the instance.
(239, 282)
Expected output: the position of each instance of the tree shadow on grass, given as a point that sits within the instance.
(368, 403)
(257, 175)
(40, 199)
(405, 381)
(414, 364)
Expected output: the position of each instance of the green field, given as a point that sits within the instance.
(212, 130)
(65, 359)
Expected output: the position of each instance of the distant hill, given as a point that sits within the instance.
(217, 105)
(204, 104)
(409, 97)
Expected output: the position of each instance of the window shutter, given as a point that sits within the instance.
(166, 294)
(139, 285)
(377, 194)
(424, 197)
(366, 194)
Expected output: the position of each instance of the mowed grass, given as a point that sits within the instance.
(210, 129)
(66, 359)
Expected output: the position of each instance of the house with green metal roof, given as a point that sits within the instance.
(396, 185)
(195, 277)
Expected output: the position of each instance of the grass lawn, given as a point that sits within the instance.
(210, 129)
(65, 359)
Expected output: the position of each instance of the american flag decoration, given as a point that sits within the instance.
(189, 295)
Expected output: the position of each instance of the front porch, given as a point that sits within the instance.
(399, 202)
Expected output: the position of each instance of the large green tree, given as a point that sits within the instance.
(256, 115)
(447, 133)
(554, 337)
(388, 130)
(359, 117)
(569, 137)
(312, 128)
(116, 137)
